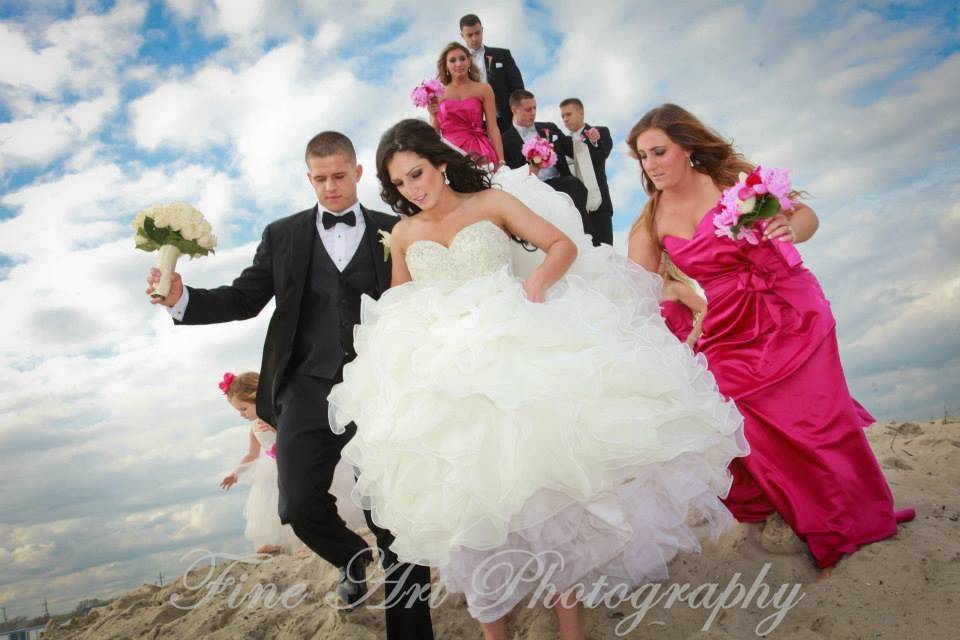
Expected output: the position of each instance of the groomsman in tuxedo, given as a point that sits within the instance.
(497, 67)
(523, 105)
(317, 264)
(587, 149)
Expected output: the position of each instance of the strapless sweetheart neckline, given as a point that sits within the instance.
(453, 240)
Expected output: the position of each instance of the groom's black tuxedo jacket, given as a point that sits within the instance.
(513, 146)
(280, 269)
(504, 78)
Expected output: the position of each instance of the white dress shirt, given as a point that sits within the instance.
(340, 241)
(480, 59)
(531, 132)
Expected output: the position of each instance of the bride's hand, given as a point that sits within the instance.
(534, 290)
(779, 227)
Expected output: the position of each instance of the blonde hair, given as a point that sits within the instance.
(674, 273)
(244, 387)
(443, 73)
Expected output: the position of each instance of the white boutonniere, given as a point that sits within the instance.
(385, 241)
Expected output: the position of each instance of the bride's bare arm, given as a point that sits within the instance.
(521, 221)
(399, 241)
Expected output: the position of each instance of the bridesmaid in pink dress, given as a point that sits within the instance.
(682, 308)
(461, 117)
(770, 341)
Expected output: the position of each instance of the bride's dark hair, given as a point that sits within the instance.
(416, 136)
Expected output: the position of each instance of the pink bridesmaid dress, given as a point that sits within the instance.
(678, 317)
(770, 342)
(461, 122)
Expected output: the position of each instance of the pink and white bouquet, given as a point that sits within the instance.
(426, 92)
(538, 151)
(757, 196)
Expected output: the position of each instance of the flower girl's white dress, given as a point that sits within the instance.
(516, 445)
(260, 510)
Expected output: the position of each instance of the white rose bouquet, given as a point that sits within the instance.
(173, 230)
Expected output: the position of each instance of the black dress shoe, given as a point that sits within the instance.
(353, 582)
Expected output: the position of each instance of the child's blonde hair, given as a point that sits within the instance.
(674, 273)
(242, 387)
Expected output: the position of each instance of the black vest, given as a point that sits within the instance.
(330, 308)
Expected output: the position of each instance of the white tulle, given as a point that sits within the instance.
(578, 431)
(263, 521)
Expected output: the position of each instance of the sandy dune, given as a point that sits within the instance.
(907, 587)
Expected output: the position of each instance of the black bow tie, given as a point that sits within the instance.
(330, 220)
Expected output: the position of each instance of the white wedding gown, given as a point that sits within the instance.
(501, 440)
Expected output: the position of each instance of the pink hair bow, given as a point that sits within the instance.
(224, 384)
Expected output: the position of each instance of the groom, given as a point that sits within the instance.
(317, 264)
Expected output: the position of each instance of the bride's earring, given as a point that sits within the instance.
(446, 180)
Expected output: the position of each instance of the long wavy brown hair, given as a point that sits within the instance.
(443, 73)
(710, 153)
(418, 137)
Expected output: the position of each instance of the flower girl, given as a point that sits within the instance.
(259, 468)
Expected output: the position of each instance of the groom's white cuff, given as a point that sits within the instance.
(180, 307)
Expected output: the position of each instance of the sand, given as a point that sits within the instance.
(905, 587)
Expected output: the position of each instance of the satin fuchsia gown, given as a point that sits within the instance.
(678, 318)
(770, 342)
(461, 122)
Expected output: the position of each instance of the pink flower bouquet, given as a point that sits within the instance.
(426, 92)
(759, 195)
(539, 152)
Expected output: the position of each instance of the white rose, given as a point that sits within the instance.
(161, 217)
(191, 230)
(207, 241)
(178, 219)
(138, 221)
(746, 206)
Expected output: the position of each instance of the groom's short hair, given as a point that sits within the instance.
(519, 96)
(328, 143)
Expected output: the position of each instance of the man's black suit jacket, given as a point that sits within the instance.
(513, 146)
(279, 269)
(505, 78)
(598, 157)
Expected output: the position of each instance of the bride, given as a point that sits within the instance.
(524, 434)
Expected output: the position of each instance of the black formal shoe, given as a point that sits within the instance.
(353, 582)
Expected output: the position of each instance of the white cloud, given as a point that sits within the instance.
(42, 71)
(61, 82)
(52, 132)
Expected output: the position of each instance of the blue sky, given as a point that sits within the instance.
(114, 432)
